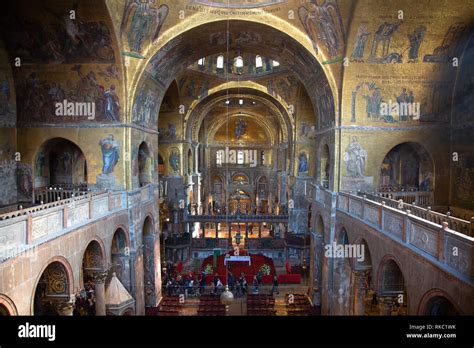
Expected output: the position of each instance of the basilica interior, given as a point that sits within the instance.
(236, 157)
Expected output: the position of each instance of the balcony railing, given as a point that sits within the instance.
(52, 194)
(456, 224)
(24, 228)
(237, 218)
(420, 198)
(434, 240)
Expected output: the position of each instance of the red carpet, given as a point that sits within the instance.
(257, 262)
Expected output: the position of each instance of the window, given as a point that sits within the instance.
(258, 62)
(240, 157)
(220, 62)
(219, 157)
(239, 62)
(275, 63)
(262, 157)
(201, 61)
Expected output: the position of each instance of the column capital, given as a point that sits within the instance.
(96, 276)
(65, 308)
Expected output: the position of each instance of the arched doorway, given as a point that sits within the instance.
(52, 293)
(149, 262)
(391, 289)
(92, 297)
(407, 167)
(60, 162)
(121, 258)
(144, 165)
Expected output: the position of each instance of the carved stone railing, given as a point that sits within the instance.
(236, 218)
(323, 196)
(420, 198)
(456, 224)
(22, 229)
(438, 243)
(53, 194)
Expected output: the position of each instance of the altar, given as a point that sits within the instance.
(237, 259)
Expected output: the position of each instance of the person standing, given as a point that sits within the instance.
(275, 285)
(255, 284)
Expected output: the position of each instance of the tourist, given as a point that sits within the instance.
(219, 286)
(259, 277)
(275, 285)
(202, 284)
(191, 287)
(231, 281)
(255, 284)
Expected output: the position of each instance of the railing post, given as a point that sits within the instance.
(441, 239)
(109, 201)
(381, 215)
(91, 207)
(65, 213)
(29, 229)
(364, 199)
(405, 230)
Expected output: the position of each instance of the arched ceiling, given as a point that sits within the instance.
(205, 40)
(266, 106)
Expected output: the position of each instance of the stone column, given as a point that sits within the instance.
(386, 305)
(259, 230)
(98, 279)
(217, 230)
(360, 277)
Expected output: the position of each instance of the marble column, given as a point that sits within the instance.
(98, 279)
(360, 277)
(386, 305)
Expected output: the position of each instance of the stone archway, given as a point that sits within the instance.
(94, 274)
(60, 162)
(391, 288)
(121, 263)
(437, 303)
(145, 160)
(407, 166)
(7, 307)
(53, 291)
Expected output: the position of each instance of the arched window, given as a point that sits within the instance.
(258, 62)
(239, 62)
(275, 64)
(220, 62)
(202, 61)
